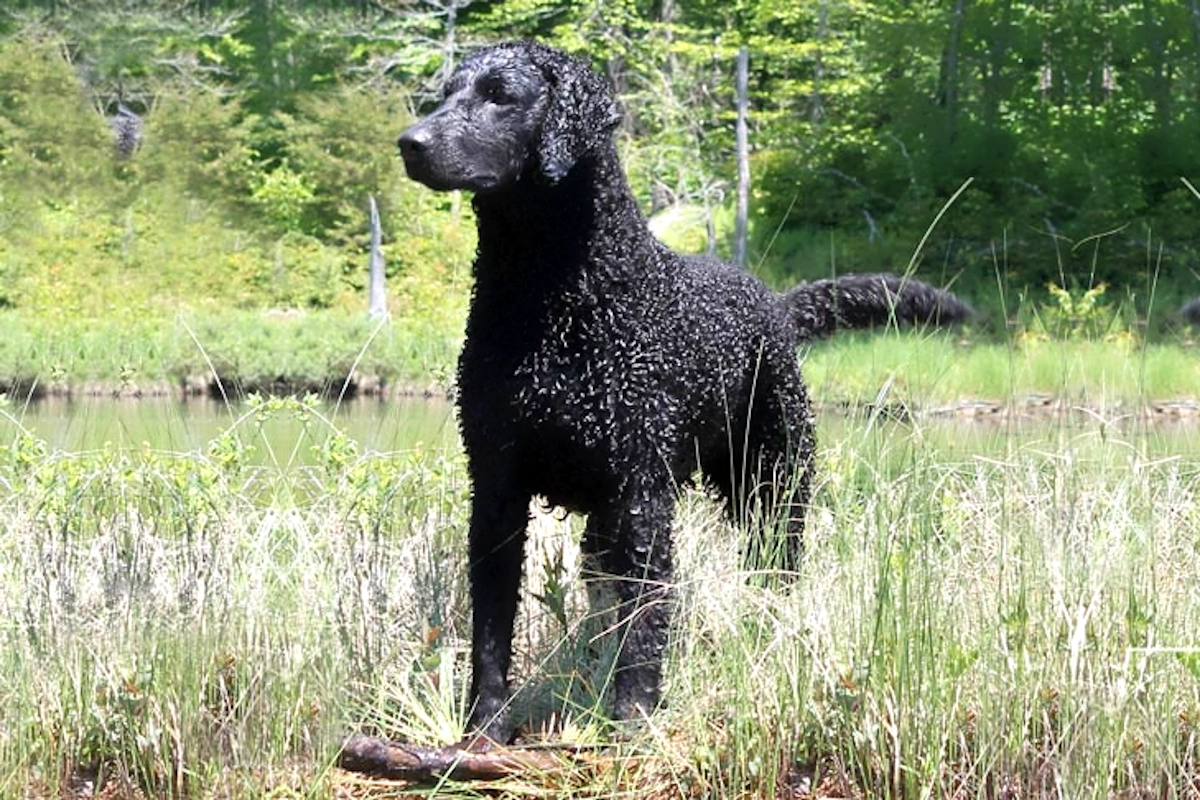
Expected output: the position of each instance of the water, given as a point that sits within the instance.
(407, 423)
(168, 424)
(954, 439)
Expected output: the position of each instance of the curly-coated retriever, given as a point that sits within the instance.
(600, 369)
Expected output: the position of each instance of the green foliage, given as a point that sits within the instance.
(196, 142)
(50, 138)
(255, 352)
(202, 214)
(1086, 315)
(76, 260)
(342, 142)
(269, 127)
(1114, 370)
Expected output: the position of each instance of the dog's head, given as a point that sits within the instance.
(508, 112)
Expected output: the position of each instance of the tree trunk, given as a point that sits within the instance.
(816, 109)
(950, 81)
(743, 158)
(999, 45)
(1160, 82)
(1194, 6)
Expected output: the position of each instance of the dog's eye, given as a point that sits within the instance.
(493, 91)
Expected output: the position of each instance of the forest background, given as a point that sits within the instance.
(267, 126)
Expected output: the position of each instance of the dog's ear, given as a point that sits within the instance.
(580, 117)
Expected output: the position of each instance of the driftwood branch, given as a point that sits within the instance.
(385, 759)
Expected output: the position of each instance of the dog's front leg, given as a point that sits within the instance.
(499, 518)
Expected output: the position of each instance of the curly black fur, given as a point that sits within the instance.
(600, 369)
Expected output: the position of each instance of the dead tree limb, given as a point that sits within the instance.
(386, 759)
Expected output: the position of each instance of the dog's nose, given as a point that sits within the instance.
(414, 141)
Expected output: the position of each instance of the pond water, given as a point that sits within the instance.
(401, 424)
(166, 424)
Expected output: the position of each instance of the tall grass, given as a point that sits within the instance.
(1015, 617)
(185, 623)
(1000, 621)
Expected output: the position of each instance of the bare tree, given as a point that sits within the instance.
(743, 158)
(377, 297)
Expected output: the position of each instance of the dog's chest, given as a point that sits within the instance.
(575, 374)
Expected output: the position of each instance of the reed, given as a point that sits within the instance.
(1007, 614)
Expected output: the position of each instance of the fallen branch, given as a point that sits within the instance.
(386, 759)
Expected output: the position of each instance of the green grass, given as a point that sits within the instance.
(974, 612)
(918, 369)
(248, 349)
(318, 350)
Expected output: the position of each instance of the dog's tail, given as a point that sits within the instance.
(820, 308)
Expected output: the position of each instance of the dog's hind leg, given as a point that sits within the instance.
(775, 477)
(627, 550)
(777, 506)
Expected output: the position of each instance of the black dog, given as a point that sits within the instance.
(600, 369)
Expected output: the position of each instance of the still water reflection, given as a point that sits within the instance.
(166, 424)
(402, 424)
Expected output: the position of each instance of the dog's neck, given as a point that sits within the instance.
(535, 226)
